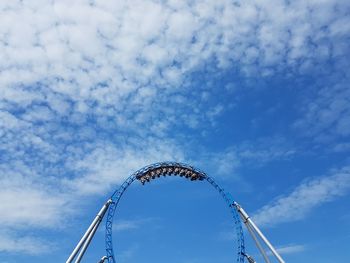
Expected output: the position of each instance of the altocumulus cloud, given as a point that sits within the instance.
(10, 242)
(304, 198)
(85, 85)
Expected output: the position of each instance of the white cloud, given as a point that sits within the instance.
(106, 166)
(327, 116)
(127, 225)
(28, 201)
(128, 43)
(225, 163)
(341, 147)
(305, 198)
(255, 153)
(12, 243)
(80, 81)
(45, 201)
(290, 249)
(42, 201)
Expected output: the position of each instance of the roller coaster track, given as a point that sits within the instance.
(163, 169)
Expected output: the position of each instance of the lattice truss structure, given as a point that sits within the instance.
(158, 170)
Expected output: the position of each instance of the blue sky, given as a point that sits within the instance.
(254, 93)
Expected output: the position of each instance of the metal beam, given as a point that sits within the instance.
(246, 218)
(261, 249)
(87, 243)
(91, 228)
(102, 260)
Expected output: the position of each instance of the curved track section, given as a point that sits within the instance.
(157, 170)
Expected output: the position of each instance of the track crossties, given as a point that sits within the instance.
(157, 170)
(169, 169)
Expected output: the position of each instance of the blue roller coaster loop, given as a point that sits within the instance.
(170, 168)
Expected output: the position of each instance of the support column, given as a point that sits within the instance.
(249, 221)
(89, 232)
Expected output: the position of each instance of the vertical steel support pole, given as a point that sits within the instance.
(102, 260)
(97, 220)
(87, 243)
(261, 249)
(257, 230)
